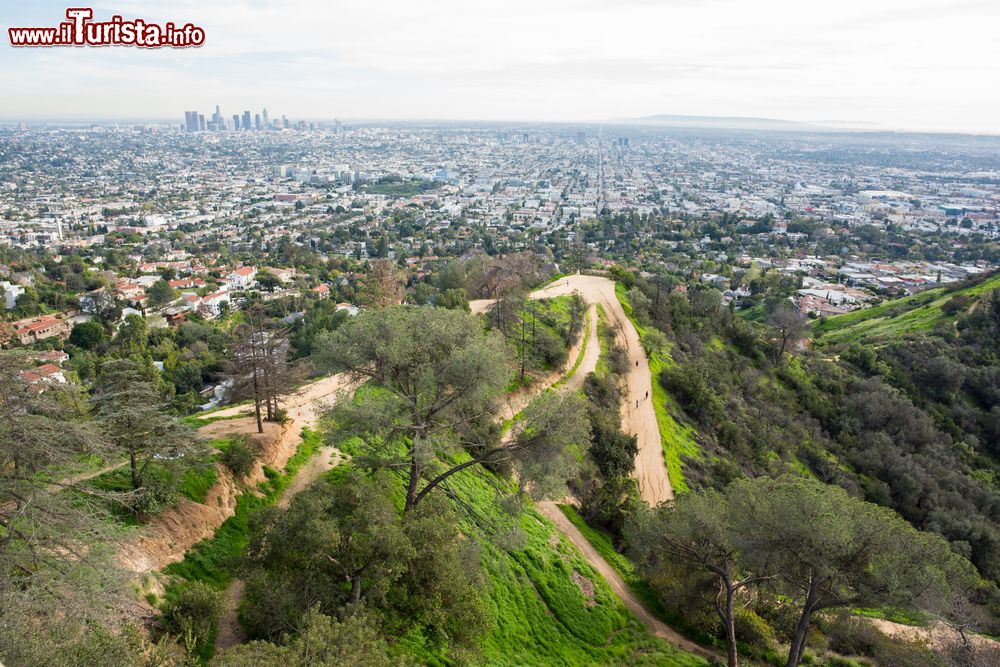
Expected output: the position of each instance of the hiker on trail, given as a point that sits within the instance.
(637, 404)
(637, 363)
(647, 394)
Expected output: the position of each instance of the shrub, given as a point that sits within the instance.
(158, 492)
(957, 303)
(753, 629)
(241, 455)
(654, 341)
(193, 615)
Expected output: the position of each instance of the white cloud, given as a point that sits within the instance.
(919, 64)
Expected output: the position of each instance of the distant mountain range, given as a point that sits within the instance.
(750, 123)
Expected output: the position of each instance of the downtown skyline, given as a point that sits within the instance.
(898, 66)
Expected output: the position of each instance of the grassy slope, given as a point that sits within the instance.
(539, 615)
(554, 310)
(900, 316)
(678, 440)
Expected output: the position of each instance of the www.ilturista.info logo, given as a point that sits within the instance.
(80, 30)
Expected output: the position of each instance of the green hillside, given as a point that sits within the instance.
(920, 312)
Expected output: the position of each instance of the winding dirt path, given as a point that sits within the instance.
(304, 407)
(230, 632)
(638, 414)
(638, 417)
(617, 584)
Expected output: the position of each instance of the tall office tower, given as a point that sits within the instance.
(581, 137)
(266, 124)
(217, 118)
(236, 121)
(246, 120)
(256, 121)
(284, 122)
(201, 122)
(191, 121)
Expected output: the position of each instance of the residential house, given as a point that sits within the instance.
(213, 302)
(39, 328)
(349, 307)
(39, 378)
(241, 278)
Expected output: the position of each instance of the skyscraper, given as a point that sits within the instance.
(256, 121)
(201, 122)
(266, 124)
(246, 120)
(191, 121)
(236, 121)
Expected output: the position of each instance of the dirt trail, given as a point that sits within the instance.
(305, 404)
(167, 538)
(303, 408)
(651, 471)
(638, 415)
(938, 636)
(230, 631)
(73, 480)
(657, 627)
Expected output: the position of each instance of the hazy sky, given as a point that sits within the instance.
(910, 64)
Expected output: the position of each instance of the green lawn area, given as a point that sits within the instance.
(539, 615)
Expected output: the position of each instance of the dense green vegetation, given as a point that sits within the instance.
(542, 602)
(426, 549)
(907, 424)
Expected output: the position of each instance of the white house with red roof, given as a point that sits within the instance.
(213, 302)
(349, 307)
(241, 278)
(39, 378)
